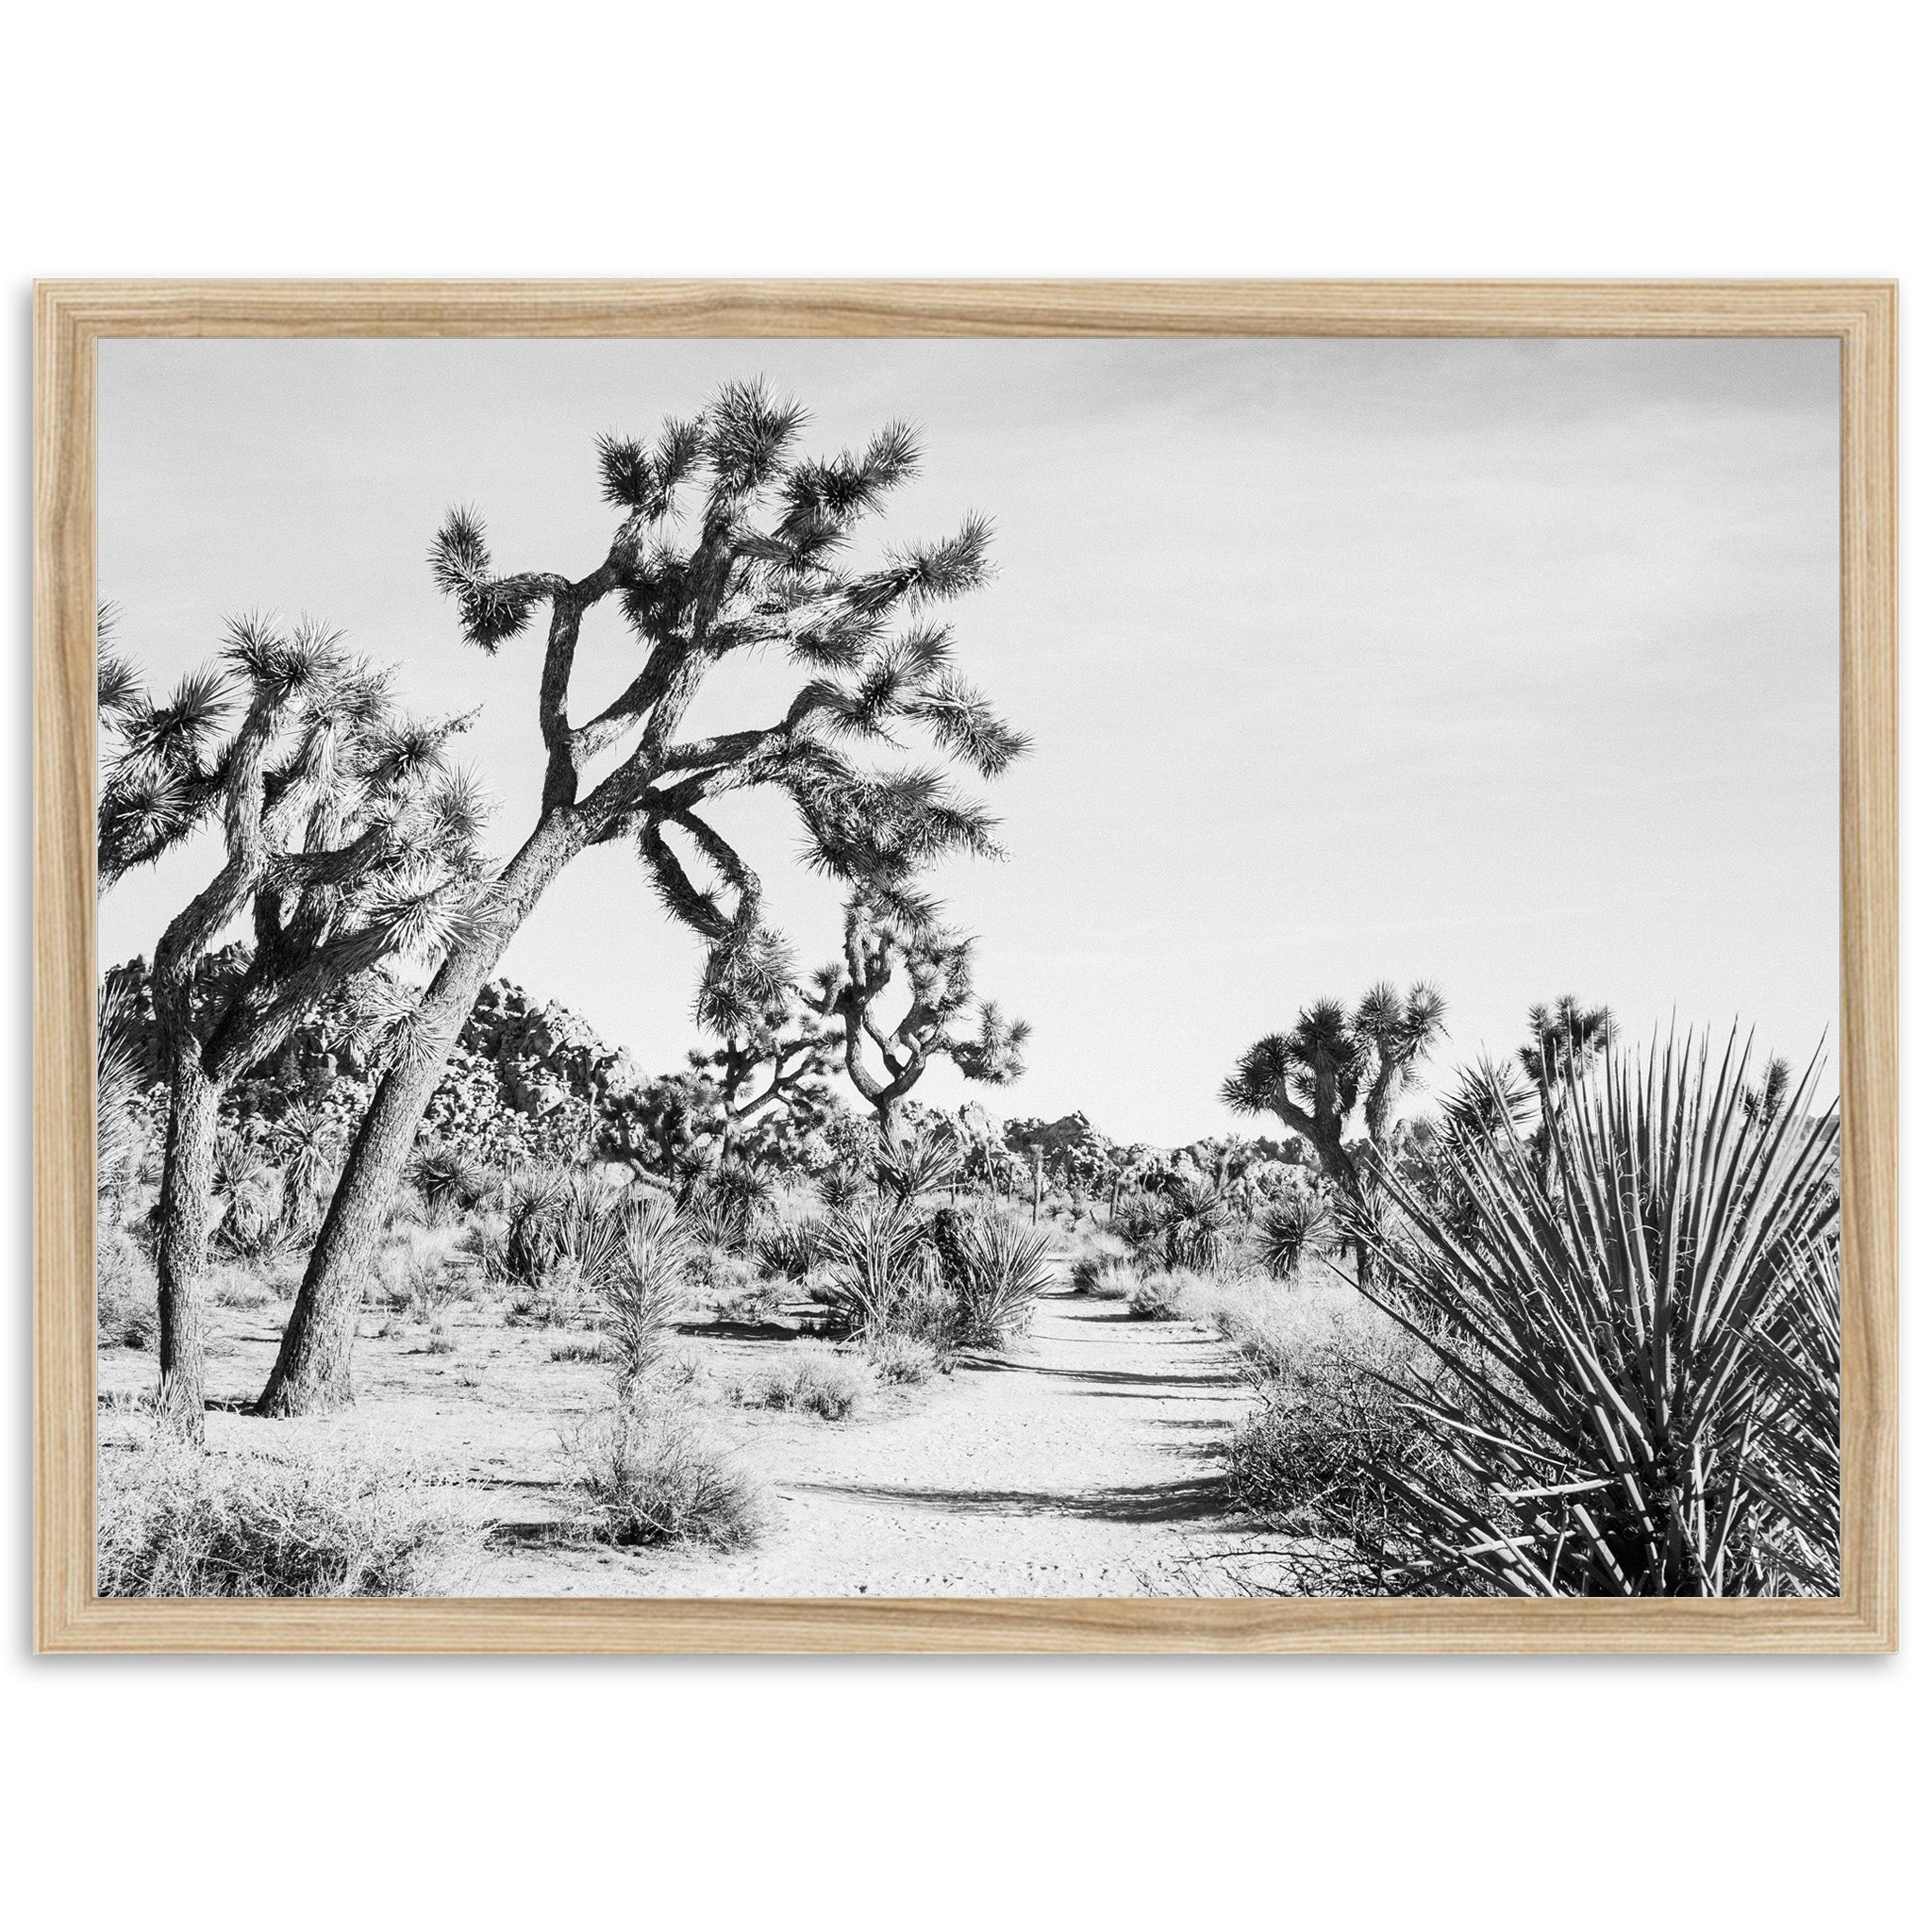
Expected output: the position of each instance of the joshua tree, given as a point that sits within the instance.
(348, 842)
(883, 938)
(1566, 1039)
(727, 544)
(778, 1056)
(1313, 1078)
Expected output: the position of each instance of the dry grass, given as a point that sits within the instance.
(814, 1378)
(176, 1523)
(648, 1476)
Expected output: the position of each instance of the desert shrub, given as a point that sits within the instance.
(1323, 1458)
(1199, 1227)
(235, 1290)
(127, 1298)
(901, 1358)
(578, 1348)
(812, 1377)
(1107, 1280)
(648, 1476)
(744, 1294)
(1159, 1295)
(992, 1271)
(251, 1196)
(174, 1522)
(1605, 1401)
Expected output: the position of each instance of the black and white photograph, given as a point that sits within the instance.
(990, 968)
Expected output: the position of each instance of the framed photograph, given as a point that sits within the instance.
(966, 966)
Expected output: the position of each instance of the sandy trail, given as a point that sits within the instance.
(1081, 1464)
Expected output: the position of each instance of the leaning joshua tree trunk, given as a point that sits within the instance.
(736, 589)
(312, 1368)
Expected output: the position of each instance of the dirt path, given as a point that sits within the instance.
(1080, 1465)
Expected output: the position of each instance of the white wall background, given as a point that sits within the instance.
(1683, 139)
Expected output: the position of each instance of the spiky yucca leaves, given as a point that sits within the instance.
(921, 1163)
(875, 1268)
(1295, 1228)
(993, 1270)
(1198, 1225)
(640, 1294)
(1608, 1397)
(889, 935)
(1800, 1350)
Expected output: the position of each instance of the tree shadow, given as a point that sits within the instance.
(1189, 1499)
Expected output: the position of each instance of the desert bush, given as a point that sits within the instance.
(812, 1377)
(902, 1359)
(1107, 1280)
(785, 1248)
(126, 1303)
(174, 1522)
(578, 1348)
(1200, 1226)
(1160, 1295)
(558, 1220)
(992, 1271)
(649, 1477)
(1606, 1403)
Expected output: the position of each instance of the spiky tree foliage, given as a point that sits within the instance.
(348, 844)
(1314, 1079)
(160, 760)
(896, 950)
(728, 543)
(1566, 1039)
(1618, 1348)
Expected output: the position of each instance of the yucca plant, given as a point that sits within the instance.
(447, 1178)
(1198, 1226)
(641, 1293)
(1295, 1228)
(993, 1270)
(1608, 1413)
(1799, 1350)
(921, 1163)
(875, 1268)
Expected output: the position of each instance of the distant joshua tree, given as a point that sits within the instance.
(941, 1018)
(1313, 1078)
(728, 543)
(348, 842)
(1566, 1041)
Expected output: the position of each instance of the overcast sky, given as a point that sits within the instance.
(1512, 665)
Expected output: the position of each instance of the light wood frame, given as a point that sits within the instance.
(71, 317)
